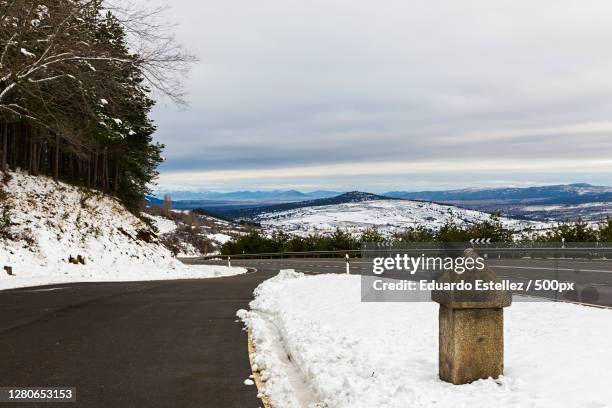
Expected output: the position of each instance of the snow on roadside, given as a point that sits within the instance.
(352, 354)
(215, 271)
(51, 222)
(75, 273)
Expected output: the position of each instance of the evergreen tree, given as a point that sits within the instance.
(604, 230)
(75, 100)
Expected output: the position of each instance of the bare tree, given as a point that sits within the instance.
(43, 44)
(167, 206)
(163, 60)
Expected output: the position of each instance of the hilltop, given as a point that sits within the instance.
(345, 198)
(388, 216)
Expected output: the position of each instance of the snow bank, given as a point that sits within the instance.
(318, 345)
(51, 222)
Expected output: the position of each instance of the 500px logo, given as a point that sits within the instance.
(434, 263)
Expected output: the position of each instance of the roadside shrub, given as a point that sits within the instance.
(5, 209)
(452, 232)
(414, 234)
(604, 230)
(180, 240)
(371, 235)
(491, 228)
(578, 231)
(5, 220)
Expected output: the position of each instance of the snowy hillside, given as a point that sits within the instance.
(387, 215)
(188, 233)
(44, 224)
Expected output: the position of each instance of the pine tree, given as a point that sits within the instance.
(75, 101)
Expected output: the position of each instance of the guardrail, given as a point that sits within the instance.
(588, 251)
(281, 255)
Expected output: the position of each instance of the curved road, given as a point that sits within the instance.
(143, 344)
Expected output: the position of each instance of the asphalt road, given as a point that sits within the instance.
(145, 344)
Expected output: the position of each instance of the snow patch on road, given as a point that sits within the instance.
(352, 354)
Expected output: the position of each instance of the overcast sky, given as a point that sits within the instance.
(391, 94)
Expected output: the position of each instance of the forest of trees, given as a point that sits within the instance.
(75, 84)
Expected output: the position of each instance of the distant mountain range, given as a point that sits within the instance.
(265, 196)
(222, 203)
(559, 194)
(558, 202)
(554, 203)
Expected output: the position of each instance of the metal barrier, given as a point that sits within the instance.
(281, 255)
(589, 251)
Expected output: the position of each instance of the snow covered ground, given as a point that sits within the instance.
(317, 345)
(45, 223)
(164, 225)
(220, 238)
(388, 216)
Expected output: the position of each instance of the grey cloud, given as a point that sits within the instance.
(291, 83)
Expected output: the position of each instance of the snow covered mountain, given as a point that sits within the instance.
(388, 216)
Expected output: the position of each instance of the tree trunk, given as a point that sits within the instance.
(13, 147)
(4, 145)
(34, 134)
(104, 171)
(56, 161)
(116, 180)
(95, 168)
(35, 157)
(88, 170)
(30, 142)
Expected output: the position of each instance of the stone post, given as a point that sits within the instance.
(471, 332)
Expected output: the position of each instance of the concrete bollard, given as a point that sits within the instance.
(229, 261)
(348, 262)
(471, 328)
